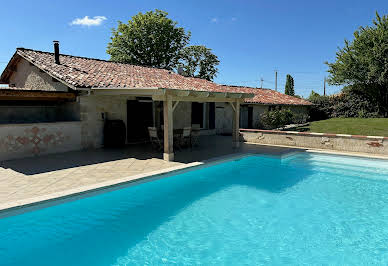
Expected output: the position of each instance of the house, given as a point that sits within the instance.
(265, 100)
(56, 103)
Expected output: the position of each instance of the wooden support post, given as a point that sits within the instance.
(168, 154)
(236, 125)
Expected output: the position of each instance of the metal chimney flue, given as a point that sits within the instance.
(56, 52)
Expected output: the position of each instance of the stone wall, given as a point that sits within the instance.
(29, 76)
(258, 110)
(182, 115)
(92, 110)
(340, 142)
(27, 140)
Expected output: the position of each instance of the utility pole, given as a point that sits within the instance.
(324, 86)
(276, 80)
(261, 82)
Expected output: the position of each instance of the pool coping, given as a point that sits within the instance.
(333, 152)
(30, 204)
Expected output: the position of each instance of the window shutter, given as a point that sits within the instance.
(250, 117)
(212, 115)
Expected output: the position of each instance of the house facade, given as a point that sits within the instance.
(56, 103)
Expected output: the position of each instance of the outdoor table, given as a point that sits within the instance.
(177, 135)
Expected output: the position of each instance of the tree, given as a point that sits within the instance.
(150, 39)
(198, 61)
(362, 64)
(289, 89)
(321, 109)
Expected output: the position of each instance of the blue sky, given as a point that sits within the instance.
(251, 38)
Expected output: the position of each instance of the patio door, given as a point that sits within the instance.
(204, 114)
(244, 117)
(139, 118)
(197, 110)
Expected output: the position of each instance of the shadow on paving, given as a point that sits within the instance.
(209, 147)
(60, 161)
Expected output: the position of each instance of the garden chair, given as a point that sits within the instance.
(154, 138)
(186, 136)
(195, 132)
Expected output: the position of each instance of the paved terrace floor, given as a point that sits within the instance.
(32, 177)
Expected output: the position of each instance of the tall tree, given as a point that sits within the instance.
(198, 61)
(363, 63)
(150, 39)
(289, 88)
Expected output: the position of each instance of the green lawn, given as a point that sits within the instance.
(353, 126)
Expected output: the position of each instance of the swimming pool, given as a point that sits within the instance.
(306, 208)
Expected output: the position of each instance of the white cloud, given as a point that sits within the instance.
(86, 21)
(214, 20)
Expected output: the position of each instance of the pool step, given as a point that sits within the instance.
(353, 167)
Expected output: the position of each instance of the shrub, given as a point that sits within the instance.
(300, 118)
(349, 103)
(276, 118)
(322, 106)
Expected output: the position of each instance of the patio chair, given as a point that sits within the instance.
(195, 132)
(154, 138)
(186, 137)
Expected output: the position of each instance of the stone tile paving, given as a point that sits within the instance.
(18, 182)
(32, 177)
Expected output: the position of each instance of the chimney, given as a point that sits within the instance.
(56, 52)
(181, 71)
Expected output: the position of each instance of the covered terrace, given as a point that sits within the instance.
(171, 98)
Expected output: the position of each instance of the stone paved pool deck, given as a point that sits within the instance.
(29, 180)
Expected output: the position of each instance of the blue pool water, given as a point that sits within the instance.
(306, 209)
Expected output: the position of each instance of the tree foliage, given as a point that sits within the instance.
(363, 63)
(198, 61)
(289, 88)
(150, 39)
(349, 103)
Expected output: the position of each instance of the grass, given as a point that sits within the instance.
(352, 126)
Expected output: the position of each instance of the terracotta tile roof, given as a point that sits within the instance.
(267, 96)
(82, 72)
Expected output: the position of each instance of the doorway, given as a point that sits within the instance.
(246, 117)
(197, 110)
(139, 118)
